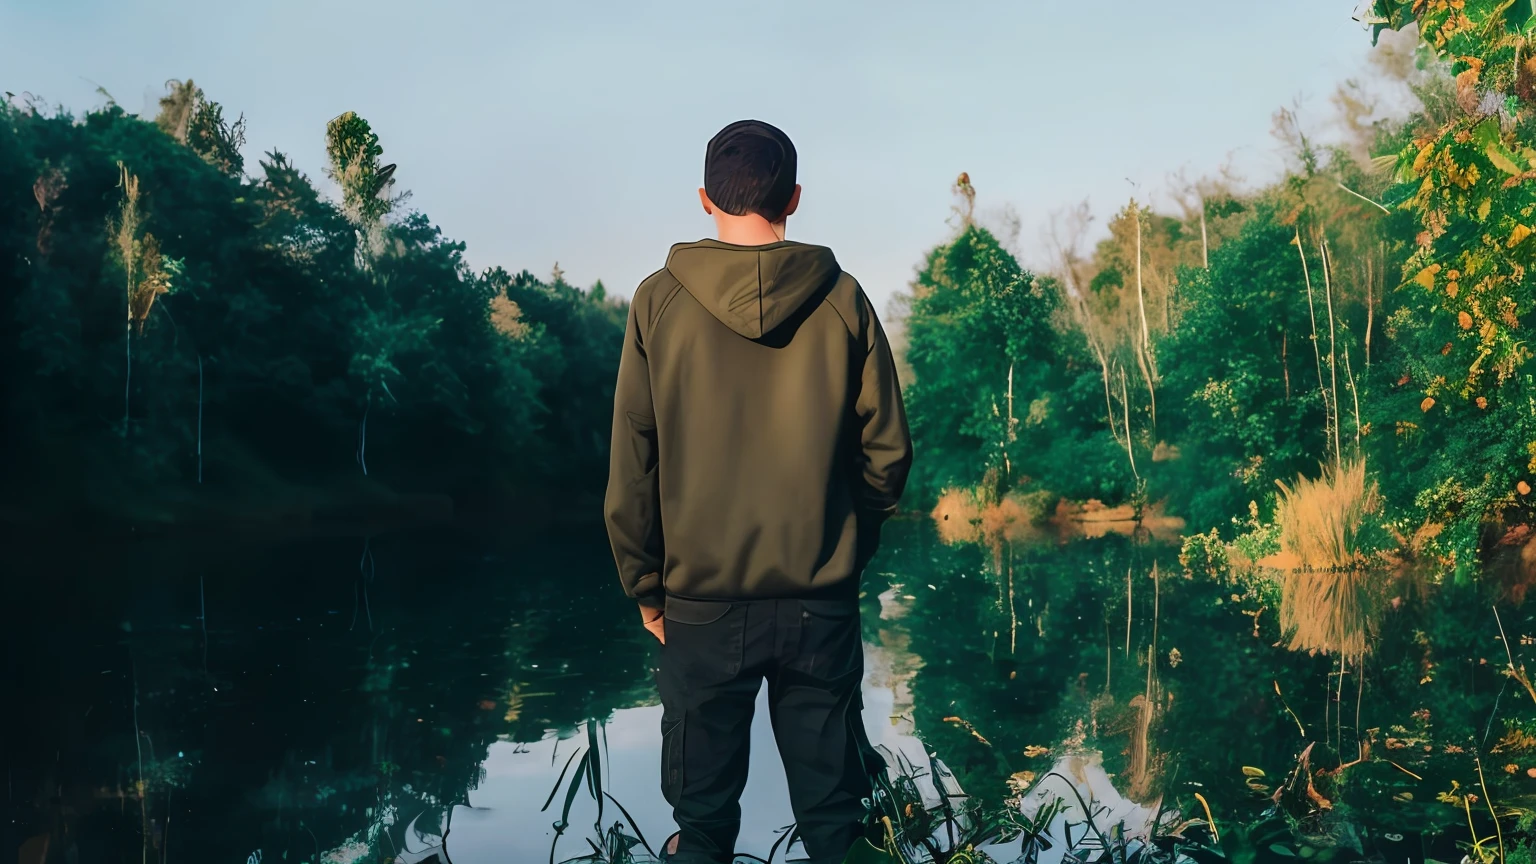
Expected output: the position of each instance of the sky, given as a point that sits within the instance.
(574, 131)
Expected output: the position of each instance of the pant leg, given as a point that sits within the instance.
(816, 703)
(708, 691)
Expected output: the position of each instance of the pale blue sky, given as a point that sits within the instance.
(574, 131)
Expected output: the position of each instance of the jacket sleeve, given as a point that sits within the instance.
(885, 444)
(632, 503)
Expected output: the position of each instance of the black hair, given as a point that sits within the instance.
(749, 167)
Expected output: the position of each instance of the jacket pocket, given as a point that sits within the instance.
(671, 759)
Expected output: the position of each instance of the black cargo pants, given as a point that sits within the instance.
(713, 662)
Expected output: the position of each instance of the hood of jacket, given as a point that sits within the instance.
(752, 289)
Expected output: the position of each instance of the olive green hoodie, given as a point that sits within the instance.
(759, 439)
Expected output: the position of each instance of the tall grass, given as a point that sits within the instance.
(1328, 593)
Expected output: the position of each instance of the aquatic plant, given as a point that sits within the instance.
(1327, 601)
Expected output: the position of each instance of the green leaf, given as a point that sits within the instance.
(1502, 159)
(1487, 135)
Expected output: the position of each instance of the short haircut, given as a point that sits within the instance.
(749, 167)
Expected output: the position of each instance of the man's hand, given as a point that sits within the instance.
(655, 622)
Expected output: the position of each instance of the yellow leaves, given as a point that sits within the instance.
(1506, 307)
(1428, 403)
(507, 317)
(1035, 750)
(958, 721)
(1421, 161)
(1464, 320)
(1254, 777)
(1426, 277)
(1523, 488)
(1520, 233)
(1483, 208)
(1477, 365)
(1462, 177)
(1515, 740)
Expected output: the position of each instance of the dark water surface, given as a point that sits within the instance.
(347, 699)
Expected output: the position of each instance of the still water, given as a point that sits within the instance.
(350, 699)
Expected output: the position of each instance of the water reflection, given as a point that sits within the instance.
(348, 700)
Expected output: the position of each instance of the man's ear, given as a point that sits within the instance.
(794, 202)
(709, 206)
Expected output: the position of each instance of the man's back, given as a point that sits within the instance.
(770, 396)
(758, 444)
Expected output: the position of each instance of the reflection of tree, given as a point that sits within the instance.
(1185, 679)
(1074, 679)
(323, 731)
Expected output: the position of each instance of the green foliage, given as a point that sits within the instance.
(261, 347)
(1240, 390)
(979, 324)
(354, 153)
(1463, 408)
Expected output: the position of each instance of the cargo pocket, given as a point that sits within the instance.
(671, 759)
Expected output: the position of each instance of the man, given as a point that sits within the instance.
(759, 442)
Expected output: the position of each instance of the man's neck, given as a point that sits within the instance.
(754, 233)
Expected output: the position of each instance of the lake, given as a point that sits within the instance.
(349, 699)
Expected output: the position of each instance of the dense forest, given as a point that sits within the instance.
(1357, 322)
(281, 356)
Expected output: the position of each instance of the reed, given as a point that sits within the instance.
(1328, 595)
